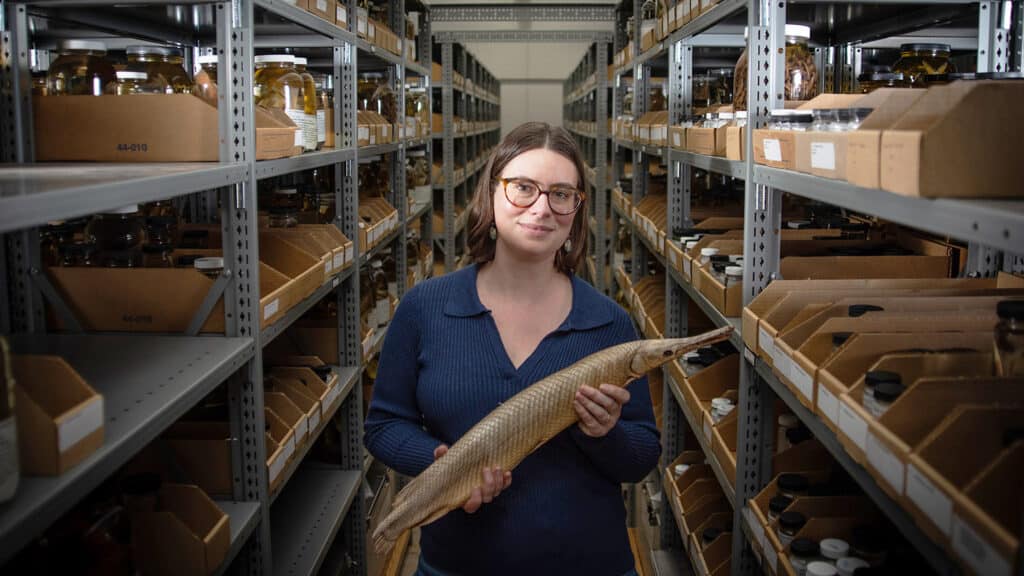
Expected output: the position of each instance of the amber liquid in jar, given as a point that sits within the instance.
(163, 65)
(278, 86)
(118, 237)
(82, 69)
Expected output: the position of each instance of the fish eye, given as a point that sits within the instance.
(667, 353)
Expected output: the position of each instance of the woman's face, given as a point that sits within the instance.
(534, 232)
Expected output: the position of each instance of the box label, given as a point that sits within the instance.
(772, 150)
(321, 126)
(271, 308)
(341, 15)
(302, 427)
(275, 468)
(364, 133)
(929, 499)
(823, 155)
(80, 424)
(707, 430)
(350, 253)
(828, 404)
(328, 266)
(885, 462)
(801, 380)
(314, 421)
(852, 425)
(687, 267)
(673, 257)
(771, 558)
(339, 259)
(332, 394)
(321, 5)
(766, 342)
(976, 552)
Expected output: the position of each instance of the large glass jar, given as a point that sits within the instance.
(131, 83)
(657, 98)
(278, 86)
(919, 60)
(870, 82)
(117, 236)
(315, 138)
(161, 62)
(416, 107)
(81, 69)
(721, 85)
(801, 72)
(206, 78)
(386, 102)
(739, 93)
(418, 170)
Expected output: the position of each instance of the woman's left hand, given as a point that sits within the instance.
(599, 408)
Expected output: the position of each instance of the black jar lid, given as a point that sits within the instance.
(858, 310)
(709, 534)
(192, 233)
(888, 391)
(162, 221)
(875, 377)
(799, 434)
(779, 503)
(1010, 309)
(840, 338)
(792, 520)
(323, 371)
(1000, 75)
(186, 261)
(804, 547)
(792, 482)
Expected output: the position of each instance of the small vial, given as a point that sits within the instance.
(786, 422)
(802, 552)
(706, 254)
(789, 524)
(834, 548)
(777, 505)
(733, 275)
(210, 267)
(792, 485)
(871, 380)
(821, 569)
(885, 394)
(848, 565)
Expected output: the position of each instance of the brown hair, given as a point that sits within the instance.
(526, 137)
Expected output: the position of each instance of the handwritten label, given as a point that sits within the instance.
(828, 404)
(929, 499)
(823, 155)
(80, 424)
(976, 552)
(339, 259)
(885, 462)
(271, 308)
(302, 427)
(772, 150)
(852, 425)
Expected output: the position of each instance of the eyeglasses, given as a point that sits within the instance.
(523, 193)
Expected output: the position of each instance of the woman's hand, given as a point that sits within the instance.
(599, 408)
(494, 481)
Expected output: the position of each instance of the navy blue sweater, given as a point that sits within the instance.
(443, 368)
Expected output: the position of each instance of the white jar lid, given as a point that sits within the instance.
(680, 469)
(788, 420)
(691, 355)
(724, 410)
(741, 115)
(834, 548)
(720, 402)
(300, 61)
(130, 75)
(129, 209)
(734, 270)
(848, 565)
(275, 58)
(821, 569)
(795, 224)
(92, 45)
(685, 239)
(691, 244)
(708, 251)
(207, 59)
(210, 263)
(725, 115)
(798, 30)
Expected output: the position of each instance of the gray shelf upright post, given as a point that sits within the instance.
(448, 152)
(641, 172)
(399, 190)
(423, 52)
(602, 248)
(619, 41)
(995, 35)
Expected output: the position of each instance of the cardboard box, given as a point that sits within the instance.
(59, 416)
(736, 142)
(189, 534)
(968, 440)
(325, 9)
(958, 140)
(700, 500)
(677, 137)
(202, 450)
(280, 448)
(721, 379)
(916, 412)
(707, 141)
(158, 128)
(303, 398)
(986, 520)
(715, 554)
(341, 15)
(723, 445)
(290, 414)
(824, 153)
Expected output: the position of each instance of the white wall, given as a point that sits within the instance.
(530, 101)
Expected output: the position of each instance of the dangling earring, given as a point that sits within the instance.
(493, 233)
(567, 246)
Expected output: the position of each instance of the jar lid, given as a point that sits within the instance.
(849, 564)
(143, 49)
(725, 115)
(692, 355)
(129, 209)
(286, 191)
(725, 410)
(804, 547)
(798, 224)
(834, 548)
(881, 77)
(708, 251)
(875, 377)
(208, 59)
(858, 310)
(782, 113)
(792, 482)
(130, 75)
(300, 61)
(788, 420)
(209, 263)
(681, 469)
(691, 244)
(994, 76)
(709, 534)
(376, 264)
(274, 58)
(778, 503)
(93, 45)
(840, 338)
(888, 391)
(798, 434)
(734, 270)
(719, 258)
(1010, 309)
(924, 47)
(798, 31)
(792, 519)
(186, 260)
(821, 569)
(741, 115)
(720, 402)
(416, 153)
(323, 371)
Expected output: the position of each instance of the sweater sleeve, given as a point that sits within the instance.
(393, 431)
(632, 447)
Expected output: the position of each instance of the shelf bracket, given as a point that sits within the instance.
(67, 317)
(211, 299)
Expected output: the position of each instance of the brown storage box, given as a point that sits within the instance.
(304, 399)
(736, 142)
(304, 270)
(677, 137)
(188, 535)
(322, 8)
(986, 520)
(280, 448)
(916, 412)
(700, 500)
(863, 158)
(959, 140)
(327, 393)
(693, 458)
(721, 379)
(157, 128)
(290, 414)
(59, 416)
(707, 141)
(715, 554)
(202, 450)
(723, 445)
(777, 148)
(967, 441)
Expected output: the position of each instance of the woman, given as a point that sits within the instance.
(461, 344)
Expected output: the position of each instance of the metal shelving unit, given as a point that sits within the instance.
(149, 381)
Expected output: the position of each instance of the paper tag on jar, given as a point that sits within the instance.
(772, 150)
(823, 155)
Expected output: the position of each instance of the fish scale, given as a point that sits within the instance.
(519, 426)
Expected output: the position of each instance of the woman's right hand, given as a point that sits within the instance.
(494, 481)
